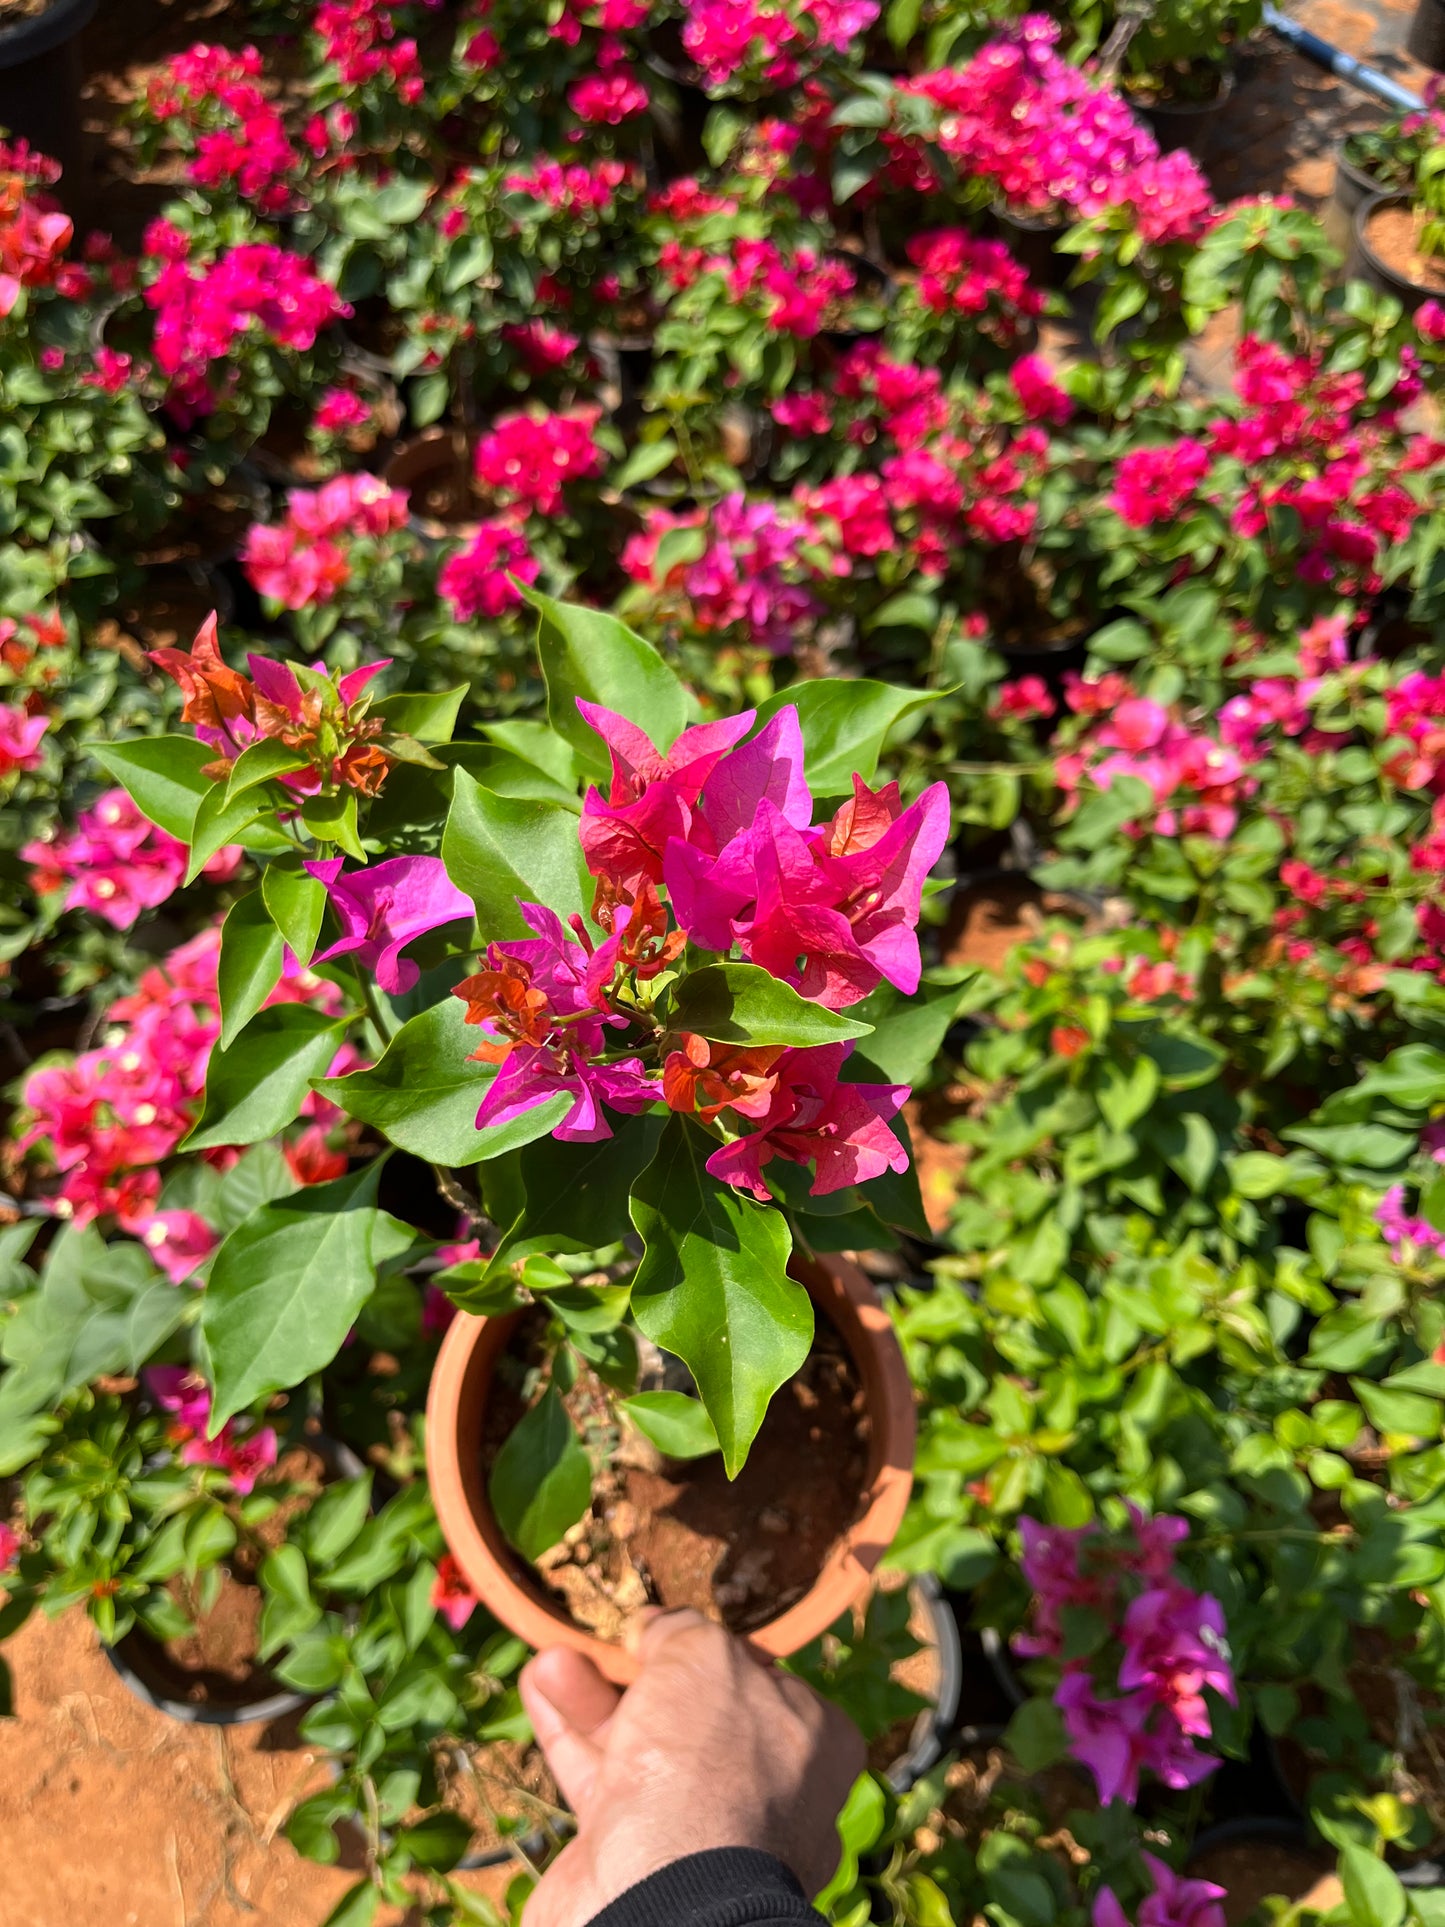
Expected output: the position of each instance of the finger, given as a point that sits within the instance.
(569, 1704)
(649, 1634)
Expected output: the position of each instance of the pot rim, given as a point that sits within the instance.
(274, 1706)
(41, 33)
(1364, 214)
(457, 1400)
(1228, 81)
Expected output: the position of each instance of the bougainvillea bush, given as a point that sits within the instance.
(698, 502)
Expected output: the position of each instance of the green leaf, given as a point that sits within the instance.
(297, 902)
(218, 823)
(1125, 1091)
(908, 1033)
(336, 1518)
(677, 1425)
(541, 1481)
(844, 724)
(422, 1092)
(1035, 1735)
(257, 1085)
(261, 762)
(586, 653)
(357, 1906)
(332, 819)
(162, 776)
(739, 1003)
(286, 1286)
(249, 966)
(713, 1287)
(1372, 1891)
(501, 848)
(428, 715)
(574, 1197)
(538, 745)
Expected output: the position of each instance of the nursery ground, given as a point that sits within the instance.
(112, 1815)
(115, 1816)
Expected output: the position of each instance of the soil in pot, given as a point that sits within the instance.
(490, 1786)
(1251, 1869)
(672, 1534)
(1393, 234)
(216, 1664)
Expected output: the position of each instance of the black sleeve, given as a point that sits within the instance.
(724, 1887)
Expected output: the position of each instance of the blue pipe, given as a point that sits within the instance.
(1344, 65)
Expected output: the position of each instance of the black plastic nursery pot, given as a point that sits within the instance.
(198, 1698)
(1366, 264)
(1254, 1855)
(1194, 125)
(1425, 41)
(40, 79)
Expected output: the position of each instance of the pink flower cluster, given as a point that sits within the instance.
(242, 1456)
(726, 826)
(1153, 484)
(359, 38)
(768, 37)
(1174, 1901)
(20, 735)
(528, 459)
(792, 290)
(304, 560)
(1415, 714)
(204, 312)
(234, 132)
(830, 909)
(474, 580)
(572, 189)
(1170, 1649)
(1306, 443)
(1285, 702)
(1403, 1231)
(116, 863)
(109, 1117)
(959, 274)
(750, 574)
(1050, 138)
(607, 99)
(1195, 781)
(34, 234)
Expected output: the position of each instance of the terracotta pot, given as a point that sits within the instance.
(455, 1410)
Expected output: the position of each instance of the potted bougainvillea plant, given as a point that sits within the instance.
(631, 982)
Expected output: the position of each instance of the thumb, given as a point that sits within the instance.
(569, 1704)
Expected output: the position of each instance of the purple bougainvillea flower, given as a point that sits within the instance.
(1174, 1647)
(637, 762)
(840, 1129)
(387, 906)
(179, 1241)
(880, 876)
(1175, 1901)
(770, 768)
(531, 1073)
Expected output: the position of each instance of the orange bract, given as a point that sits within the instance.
(505, 997)
(707, 1078)
(214, 692)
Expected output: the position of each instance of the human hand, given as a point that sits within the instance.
(708, 1748)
